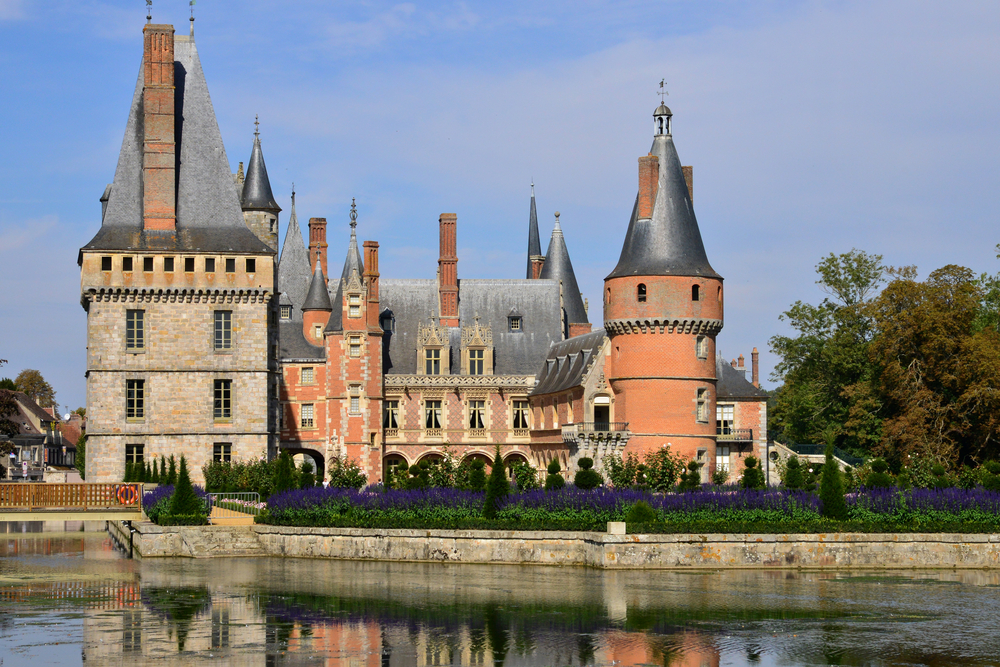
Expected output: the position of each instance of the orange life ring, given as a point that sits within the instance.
(128, 494)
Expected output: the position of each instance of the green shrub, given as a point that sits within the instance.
(879, 478)
(343, 472)
(554, 481)
(497, 487)
(662, 469)
(307, 479)
(477, 475)
(989, 475)
(284, 473)
(691, 480)
(163, 470)
(832, 488)
(720, 476)
(753, 476)
(524, 475)
(625, 473)
(171, 472)
(794, 480)
(185, 501)
(586, 477)
(641, 512)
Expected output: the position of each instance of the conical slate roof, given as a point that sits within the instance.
(351, 264)
(534, 245)
(558, 267)
(256, 186)
(209, 218)
(318, 297)
(293, 267)
(669, 244)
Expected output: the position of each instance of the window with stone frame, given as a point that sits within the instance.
(477, 349)
(432, 415)
(354, 306)
(476, 361)
(390, 414)
(222, 452)
(477, 416)
(432, 361)
(134, 453)
(168, 264)
(355, 400)
(230, 265)
(520, 417)
(135, 330)
(126, 264)
(209, 265)
(722, 458)
(286, 312)
(147, 264)
(251, 265)
(307, 416)
(222, 394)
(223, 339)
(725, 420)
(701, 413)
(308, 375)
(135, 400)
(354, 346)
(318, 331)
(701, 347)
(106, 263)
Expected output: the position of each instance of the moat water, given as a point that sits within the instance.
(72, 597)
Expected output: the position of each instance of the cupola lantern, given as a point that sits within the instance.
(661, 119)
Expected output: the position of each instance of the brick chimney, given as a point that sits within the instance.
(317, 241)
(649, 179)
(371, 280)
(159, 162)
(689, 179)
(754, 360)
(448, 270)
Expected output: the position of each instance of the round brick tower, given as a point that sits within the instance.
(662, 312)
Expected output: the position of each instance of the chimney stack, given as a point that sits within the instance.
(754, 359)
(159, 161)
(649, 179)
(371, 280)
(448, 270)
(317, 241)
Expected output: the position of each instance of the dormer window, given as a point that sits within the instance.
(286, 312)
(640, 293)
(476, 361)
(354, 306)
(515, 323)
(387, 322)
(432, 361)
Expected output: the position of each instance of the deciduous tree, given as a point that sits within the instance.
(36, 388)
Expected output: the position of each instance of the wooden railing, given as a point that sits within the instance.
(28, 497)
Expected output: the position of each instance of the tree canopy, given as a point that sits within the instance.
(36, 388)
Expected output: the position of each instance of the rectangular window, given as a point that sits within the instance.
(105, 263)
(355, 346)
(222, 452)
(230, 265)
(354, 304)
(134, 453)
(147, 264)
(222, 391)
(701, 347)
(135, 399)
(189, 264)
(722, 458)
(432, 414)
(521, 414)
(477, 414)
(702, 405)
(432, 362)
(355, 404)
(308, 375)
(126, 263)
(135, 330)
(724, 419)
(223, 330)
(308, 415)
(251, 265)
(286, 312)
(209, 265)
(515, 324)
(476, 361)
(318, 331)
(390, 414)
(168, 264)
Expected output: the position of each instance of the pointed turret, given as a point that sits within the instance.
(353, 264)
(260, 211)
(559, 267)
(318, 297)
(535, 257)
(663, 238)
(293, 267)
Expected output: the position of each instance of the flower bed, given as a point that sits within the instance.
(742, 510)
(156, 505)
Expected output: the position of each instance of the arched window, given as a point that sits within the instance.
(609, 295)
(695, 293)
(661, 124)
(640, 293)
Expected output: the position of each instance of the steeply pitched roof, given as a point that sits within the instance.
(318, 297)
(731, 383)
(534, 244)
(558, 267)
(293, 346)
(293, 267)
(352, 263)
(209, 218)
(567, 363)
(668, 244)
(256, 186)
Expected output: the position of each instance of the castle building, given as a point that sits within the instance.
(202, 342)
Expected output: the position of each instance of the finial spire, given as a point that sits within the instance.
(532, 187)
(191, 3)
(354, 216)
(256, 126)
(557, 227)
(149, 11)
(663, 90)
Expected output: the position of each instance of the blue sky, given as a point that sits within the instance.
(813, 127)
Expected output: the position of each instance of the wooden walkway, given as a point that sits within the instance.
(26, 501)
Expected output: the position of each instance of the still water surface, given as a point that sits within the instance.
(72, 598)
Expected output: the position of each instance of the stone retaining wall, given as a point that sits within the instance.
(600, 550)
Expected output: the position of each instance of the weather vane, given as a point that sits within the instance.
(663, 90)
(192, 9)
(354, 214)
(149, 11)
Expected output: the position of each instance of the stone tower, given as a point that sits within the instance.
(260, 211)
(662, 312)
(177, 289)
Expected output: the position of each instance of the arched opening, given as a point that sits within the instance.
(389, 464)
(609, 295)
(515, 457)
(433, 458)
(661, 124)
(319, 463)
(695, 293)
(469, 458)
(640, 293)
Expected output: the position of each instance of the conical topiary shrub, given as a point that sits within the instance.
(831, 488)
(794, 480)
(172, 472)
(477, 475)
(497, 487)
(753, 476)
(185, 502)
(554, 481)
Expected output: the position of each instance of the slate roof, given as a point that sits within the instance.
(669, 244)
(292, 344)
(256, 186)
(209, 218)
(732, 383)
(558, 267)
(318, 297)
(534, 244)
(566, 364)
(352, 263)
(411, 303)
(293, 267)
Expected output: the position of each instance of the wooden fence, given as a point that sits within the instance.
(28, 497)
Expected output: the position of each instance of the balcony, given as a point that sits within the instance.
(729, 434)
(596, 438)
(391, 433)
